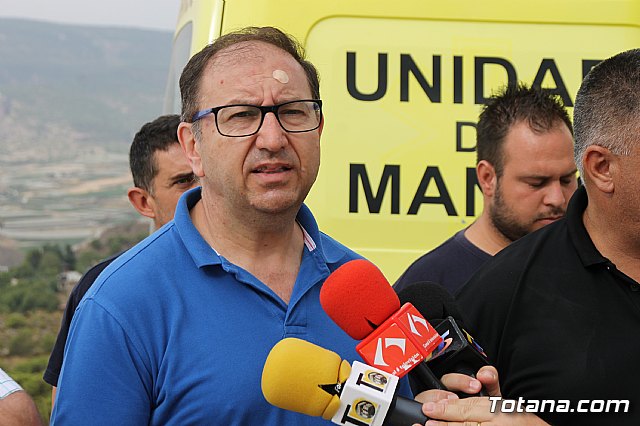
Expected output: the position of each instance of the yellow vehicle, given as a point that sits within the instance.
(402, 84)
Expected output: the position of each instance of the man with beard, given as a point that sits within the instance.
(557, 311)
(527, 174)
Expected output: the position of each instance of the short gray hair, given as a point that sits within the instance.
(607, 109)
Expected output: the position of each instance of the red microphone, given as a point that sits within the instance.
(395, 339)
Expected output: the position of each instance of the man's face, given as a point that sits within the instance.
(273, 170)
(627, 192)
(173, 178)
(539, 177)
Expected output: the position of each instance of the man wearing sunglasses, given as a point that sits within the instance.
(176, 331)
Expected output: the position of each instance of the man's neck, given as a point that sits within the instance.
(270, 247)
(612, 240)
(485, 236)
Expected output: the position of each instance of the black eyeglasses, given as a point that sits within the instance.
(245, 120)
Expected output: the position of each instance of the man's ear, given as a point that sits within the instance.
(190, 148)
(598, 164)
(141, 201)
(487, 178)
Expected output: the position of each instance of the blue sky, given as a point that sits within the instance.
(150, 14)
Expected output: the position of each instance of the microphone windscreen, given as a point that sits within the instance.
(430, 299)
(358, 298)
(293, 373)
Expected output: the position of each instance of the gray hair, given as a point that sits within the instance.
(607, 109)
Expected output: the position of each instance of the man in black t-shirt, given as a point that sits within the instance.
(558, 311)
(161, 173)
(527, 174)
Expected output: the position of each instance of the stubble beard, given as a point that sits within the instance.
(506, 222)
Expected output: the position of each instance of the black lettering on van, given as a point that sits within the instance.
(480, 62)
(472, 183)
(457, 79)
(381, 90)
(432, 173)
(408, 66)
(459, 145)
(358, 172)
(587, 64)
(549, 65)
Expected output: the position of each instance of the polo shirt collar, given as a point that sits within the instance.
(587, 251)
(202, 253)
(330, 251)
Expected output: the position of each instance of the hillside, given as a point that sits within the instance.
(62, 86)
(71, 99)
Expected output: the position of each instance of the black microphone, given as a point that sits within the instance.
(459, 352)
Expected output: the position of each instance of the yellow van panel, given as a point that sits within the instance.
(403, 83)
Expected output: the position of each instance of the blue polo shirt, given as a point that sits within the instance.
(172, 333)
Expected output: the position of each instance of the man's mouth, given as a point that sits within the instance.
(550, 218)
(271, 169)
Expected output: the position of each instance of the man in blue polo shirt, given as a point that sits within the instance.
(176, 331)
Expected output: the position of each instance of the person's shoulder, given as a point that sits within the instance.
(316, 240)
(434, 263)
(452, 247)
(90, 276)
(539, 242)
(137, 264)
(498, 277)
(336, 252)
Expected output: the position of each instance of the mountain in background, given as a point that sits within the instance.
(71, 99)
(65, 86)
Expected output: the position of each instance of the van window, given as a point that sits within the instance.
(179, 57)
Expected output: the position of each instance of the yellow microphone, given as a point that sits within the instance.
(302, 377)
(298, 376)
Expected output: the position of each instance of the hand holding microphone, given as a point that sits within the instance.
(302, 377)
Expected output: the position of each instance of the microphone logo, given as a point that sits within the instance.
(413, 319)
(367, 396)
(389, 341)
(401, 342)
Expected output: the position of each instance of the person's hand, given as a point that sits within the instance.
(475, 411)
(487, 376)
(435, 395)
(447, 410)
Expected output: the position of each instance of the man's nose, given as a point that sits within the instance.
(554, 195)
(271, 135)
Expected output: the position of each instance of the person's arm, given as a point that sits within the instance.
(104, 377)
(18, 409)
(52, 373)
(16, 406)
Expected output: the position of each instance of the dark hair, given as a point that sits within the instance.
(514, 104)
(192, 73)
(607, 110)
(157, 135)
